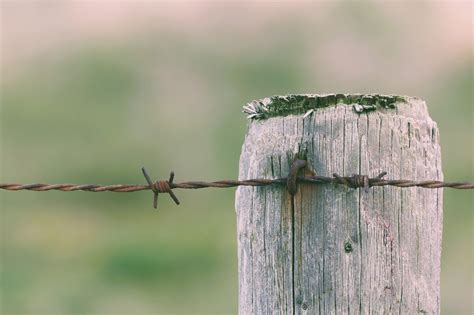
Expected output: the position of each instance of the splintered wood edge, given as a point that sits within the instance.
(297, 104)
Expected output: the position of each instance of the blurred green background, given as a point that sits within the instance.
(91, 91)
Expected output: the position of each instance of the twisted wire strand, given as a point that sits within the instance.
(354, 181)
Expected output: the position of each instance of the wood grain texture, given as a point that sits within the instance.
(333, 249)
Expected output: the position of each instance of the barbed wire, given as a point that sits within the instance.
(167, 186)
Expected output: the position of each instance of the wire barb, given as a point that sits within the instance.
(160, 186)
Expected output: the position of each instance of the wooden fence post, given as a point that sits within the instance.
(331, 249)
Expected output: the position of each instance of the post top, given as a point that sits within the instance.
(294, 104)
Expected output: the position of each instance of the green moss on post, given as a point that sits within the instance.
(295, 104)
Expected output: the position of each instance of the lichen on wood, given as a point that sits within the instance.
(283, 105)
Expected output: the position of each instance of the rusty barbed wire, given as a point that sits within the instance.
(167, 186)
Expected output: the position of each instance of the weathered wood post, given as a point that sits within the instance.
(331, 249)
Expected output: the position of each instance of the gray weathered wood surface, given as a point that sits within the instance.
(292, 253)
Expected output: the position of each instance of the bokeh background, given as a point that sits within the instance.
(93, 90)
